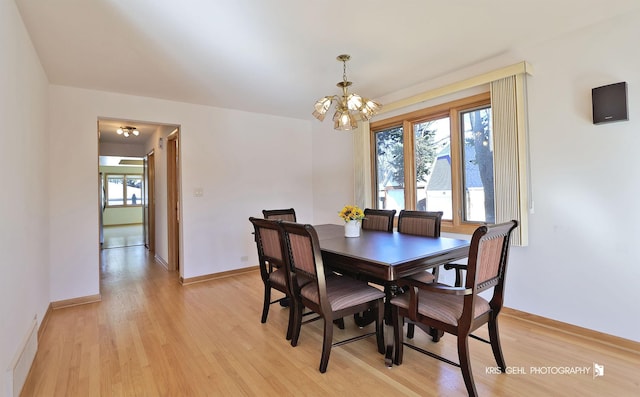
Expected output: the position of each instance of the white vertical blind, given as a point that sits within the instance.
(507, 157)
(362, 165)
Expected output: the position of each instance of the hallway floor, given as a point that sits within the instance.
(123, 236)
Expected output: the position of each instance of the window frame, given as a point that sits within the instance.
(452, 110)
(124, 189)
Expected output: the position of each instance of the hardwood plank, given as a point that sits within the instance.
(152, 336)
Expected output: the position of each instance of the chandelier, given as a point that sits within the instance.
(348, 106)
(128, 131)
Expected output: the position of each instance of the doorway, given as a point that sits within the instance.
(150, 144)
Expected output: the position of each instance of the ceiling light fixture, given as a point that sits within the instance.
(348, 106)
(128, 131)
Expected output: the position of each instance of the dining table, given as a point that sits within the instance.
(384, 258)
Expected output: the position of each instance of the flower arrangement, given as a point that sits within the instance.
(351, 213)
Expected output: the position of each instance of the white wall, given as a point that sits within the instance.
(122, 149)
(333, 172)
(24, 288)
(243, 162)
(581, 266)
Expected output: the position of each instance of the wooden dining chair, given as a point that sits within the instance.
(285, 214)
(288, 214)
(421, 223)
(378, 219)
(330, 296)
(273, 265)
(461, 310)
(425, 223)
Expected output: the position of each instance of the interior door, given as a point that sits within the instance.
(102, 203)
(173, 200)
(149, 202)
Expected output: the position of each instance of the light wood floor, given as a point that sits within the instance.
(150, 336)
(122, 236)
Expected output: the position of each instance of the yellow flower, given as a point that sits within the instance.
(351, 213)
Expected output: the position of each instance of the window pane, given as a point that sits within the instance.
(115, 189)
(390, 168)
(134, 189)
(433, 166)
(478, 166)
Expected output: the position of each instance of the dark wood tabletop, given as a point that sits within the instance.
(386, 256)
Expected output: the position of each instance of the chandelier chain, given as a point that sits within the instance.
(344, 70)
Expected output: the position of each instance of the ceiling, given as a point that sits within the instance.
(277, 57)
(108, 131)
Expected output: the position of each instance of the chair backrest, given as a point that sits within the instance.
(420, 223)
(378, 219)
(488, 257)
(270, 245)
(288, 214)
(304, 257)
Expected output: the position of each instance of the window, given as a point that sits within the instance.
(124, 190)
(438, 159)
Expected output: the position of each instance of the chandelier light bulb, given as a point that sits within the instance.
(127, 131)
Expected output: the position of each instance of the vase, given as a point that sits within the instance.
(352, 229)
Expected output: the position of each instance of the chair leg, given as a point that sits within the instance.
(436, 334)
(397, 335)
(326, 345)
(297, 323)
(266, 304)
(411, 329)
(380, 327)
(284, 302)
(494, 337)
(465, 365)
(292, 309)
(339, 322)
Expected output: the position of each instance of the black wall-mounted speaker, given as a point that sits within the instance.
(610, 103)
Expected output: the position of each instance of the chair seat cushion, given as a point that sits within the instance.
(423, 277)
(442, 307)
(343, 292)
(278, 278)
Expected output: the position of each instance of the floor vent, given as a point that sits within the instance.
(19, 369)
